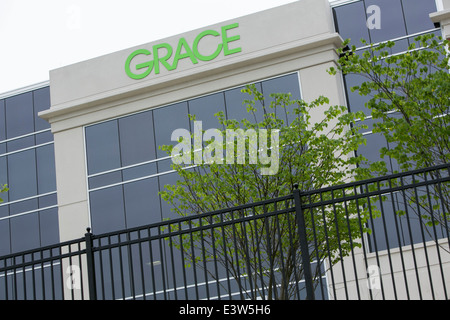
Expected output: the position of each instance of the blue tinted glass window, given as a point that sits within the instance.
(356, 101)
(392, 24)
(102, 144)
(21, 143)
(417, 15)
(394, 164)
(19, 115)
(2, 127)
(24, 232)
(41, 99)
(105, 179)
(204, 109)
(45, 161)
(351, 22)
(43, 137)
(139, 171)
(366, 122)
(48, 200)
(137, 143)
(108, 210)
(22, 175)
(4, 210)
(5, 245)
(3, 177)
(167, 179)
(285, 84)
(237, 110)
(167, 119)
(2, 122)
(142, 202)
(371, 150)
(165, 165)
(49, 227)
(23, 206)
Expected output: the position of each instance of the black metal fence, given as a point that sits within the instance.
(384, 238)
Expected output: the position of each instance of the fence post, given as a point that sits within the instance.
(90, 265)
(303, 244)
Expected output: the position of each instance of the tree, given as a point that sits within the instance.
(311, 154)
(409, 101)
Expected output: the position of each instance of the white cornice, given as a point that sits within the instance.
(440, 16)
(18, 91)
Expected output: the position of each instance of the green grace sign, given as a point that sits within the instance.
(143, 69)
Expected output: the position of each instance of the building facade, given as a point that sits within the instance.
(82, 150)
(29, 211)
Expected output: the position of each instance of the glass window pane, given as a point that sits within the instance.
(48, 200)
(139, 171)
(142, 202)
(137, 143)
(392, 24)
(107, 212)
(41, 98)
(367, 122)
(168, 179)
(416, 15)
(166, 120)
(400, 46)
(236, 108)
(22, 175)
(204, 109)
(102, 147)
(285, 84)
(44, 137)
(19, 144)
(165, 165)
(4, 209)
(23, 206)
(372, 148)
(45, 157)
(24, 232)
(49, 226)
(356, 101)
(5, 245)
(19, 115)
(2, 122)
(105, 179)
(351, 22)
(4, 178)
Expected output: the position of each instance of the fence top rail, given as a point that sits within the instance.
(166, 232)
(386, 178)
(57, 258)
(50, 248)
(185, 219)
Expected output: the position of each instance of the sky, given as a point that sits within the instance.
(38, 36)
